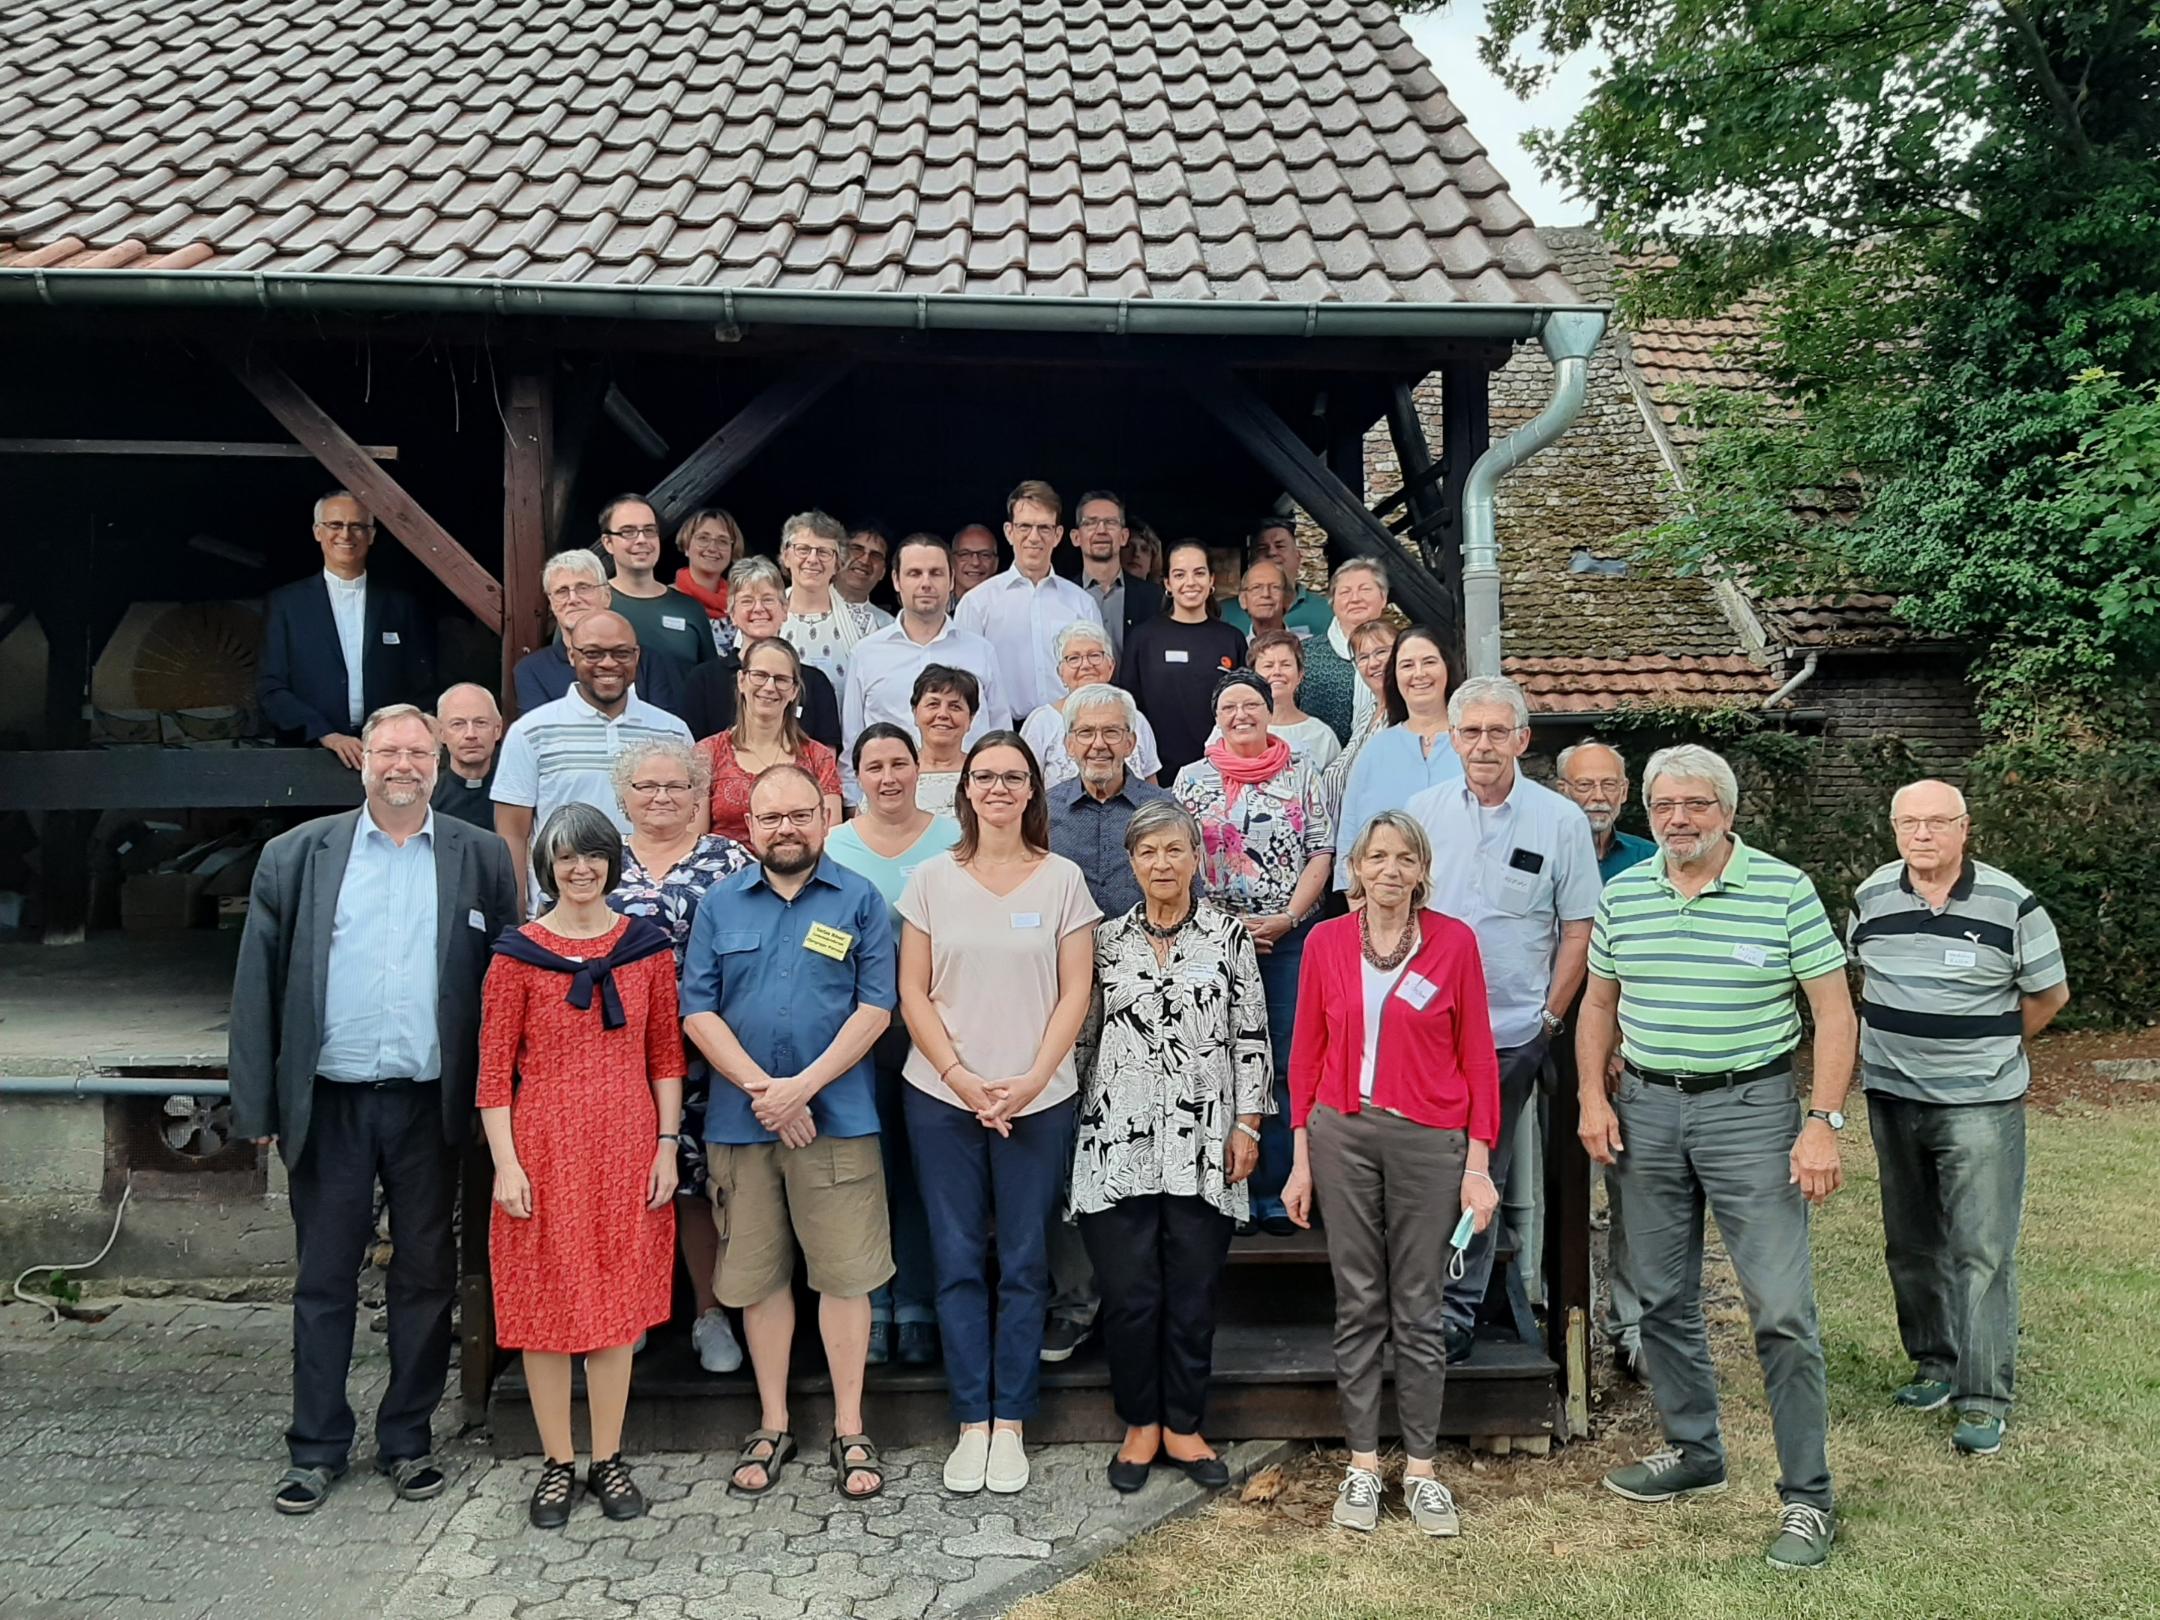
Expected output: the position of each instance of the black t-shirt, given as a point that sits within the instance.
(1171, 670)
(707, 704)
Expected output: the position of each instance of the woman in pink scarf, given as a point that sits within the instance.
(1267, 848)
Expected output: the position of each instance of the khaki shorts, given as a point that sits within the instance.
(829, 1197)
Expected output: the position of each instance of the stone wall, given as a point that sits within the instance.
(1919, 698)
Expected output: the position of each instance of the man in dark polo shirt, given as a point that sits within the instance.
(1962, 967)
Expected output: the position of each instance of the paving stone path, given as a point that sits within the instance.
(137, 1456)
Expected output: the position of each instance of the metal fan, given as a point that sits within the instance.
(169, 656)
(197, 1127)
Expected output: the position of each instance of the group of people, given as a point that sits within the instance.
(1254, 923)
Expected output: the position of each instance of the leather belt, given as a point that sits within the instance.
(1694, 1085)
(375, 1085)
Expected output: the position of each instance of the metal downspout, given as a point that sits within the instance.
(110, 1085)
(1569, 336)
(1806, 674)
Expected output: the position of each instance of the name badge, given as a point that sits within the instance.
(390, 638)
(1175, 655)
(1417, 990)
(673, 621)
(1301, 632)
(1752, 955)
(1027, 919)
(830, 942)
(473, 919)
(1198, 973)
(1961, 958)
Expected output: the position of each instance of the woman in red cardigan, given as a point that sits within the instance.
(1395, 1104)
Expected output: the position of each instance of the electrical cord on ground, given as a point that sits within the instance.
(126, 1192)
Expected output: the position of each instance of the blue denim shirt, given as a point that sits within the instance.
(749, 961)
(1091, 834)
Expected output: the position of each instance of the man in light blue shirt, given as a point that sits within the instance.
(379, 993)
(1514, 860)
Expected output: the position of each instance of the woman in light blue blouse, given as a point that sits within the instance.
(1413, 753)
(885, 843)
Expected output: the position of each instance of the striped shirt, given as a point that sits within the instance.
(1941, 1019)
(1706, 985)
(564, 753)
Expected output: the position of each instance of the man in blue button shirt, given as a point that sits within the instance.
(788, 982)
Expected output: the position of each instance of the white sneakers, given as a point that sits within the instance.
(987, 1460)
(714, 1340)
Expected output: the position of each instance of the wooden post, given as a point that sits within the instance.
(64, 612)
(1465, 432)
(1569, 1290)
(528, 455)
(720, 457)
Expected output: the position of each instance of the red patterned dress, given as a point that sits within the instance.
(592, 1267)
(731, 783)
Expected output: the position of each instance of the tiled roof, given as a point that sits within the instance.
(1248, 150)
(1649, 680)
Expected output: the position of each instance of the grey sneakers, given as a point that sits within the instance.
(1432, 1506)
(1432, 1509)
(1665, 1476)
(1357, 1501)
(1803, 1538)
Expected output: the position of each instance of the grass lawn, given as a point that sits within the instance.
(2065, 1522)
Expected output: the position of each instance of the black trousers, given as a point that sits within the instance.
(1158, 1260)
(361, 1132)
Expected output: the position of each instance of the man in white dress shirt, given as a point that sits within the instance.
(1021, 611)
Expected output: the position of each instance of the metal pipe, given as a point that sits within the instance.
(272, 290)
(1569, 337)
(1807, 673)
(110, 1085)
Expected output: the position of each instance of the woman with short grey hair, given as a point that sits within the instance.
(1179, 1078)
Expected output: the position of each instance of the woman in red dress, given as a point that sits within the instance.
(767, 731)
(581, 1069)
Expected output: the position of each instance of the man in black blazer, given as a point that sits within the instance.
(354, 1045)
(1125, 599)
(338, 646)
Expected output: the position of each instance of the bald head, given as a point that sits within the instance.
(471, 727)
(604, 657)
(1929, 820)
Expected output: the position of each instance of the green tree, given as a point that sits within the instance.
(1951, 210)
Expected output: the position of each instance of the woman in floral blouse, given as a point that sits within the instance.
(1169, 1130)
(667, 865)
(1266, 849)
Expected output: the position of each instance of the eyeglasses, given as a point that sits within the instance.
(329, 527)
(1038, 531)
(1478, 734)
(975, 556)
(1101, 523)
(1934, 824)
(769, 677)
(772, 820)
(1605, 787)
(400, 756)
(656, 790)
(1661, 808)
(803, 553)
(584, 587)
(1084, 735)
(1087, 655)
(605, 655)
(1010, 781)
(1372, 656)
(635, 531)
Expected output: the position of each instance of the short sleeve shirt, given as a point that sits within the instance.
(994, 968)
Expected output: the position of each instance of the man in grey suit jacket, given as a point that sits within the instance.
(354, 1047)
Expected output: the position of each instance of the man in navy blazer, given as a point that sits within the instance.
(338, 647)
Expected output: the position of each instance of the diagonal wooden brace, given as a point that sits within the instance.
(728, 451)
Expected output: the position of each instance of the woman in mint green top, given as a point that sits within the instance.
(885, 843)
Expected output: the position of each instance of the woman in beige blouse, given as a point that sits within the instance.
(996, 967)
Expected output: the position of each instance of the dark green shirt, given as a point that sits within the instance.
(669, 626)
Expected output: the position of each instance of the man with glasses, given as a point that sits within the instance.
(669, 625)
(1123, 599)
(1083, 659)
(336, 647)
(974, 560)
(862, 570)
(471, 726)
(789, 979)
(1302, 613)
(1513, 860)
(1693, 959)
(1021, 611)
(576, 584)
(564, 752)
(355, 1038)
(1960, 968)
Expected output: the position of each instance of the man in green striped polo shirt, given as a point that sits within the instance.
(1693, 959)
(1960, 967)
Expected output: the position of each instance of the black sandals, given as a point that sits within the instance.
(609, 1480)
(844, 1466)
(551, 1498)
(768, 1449)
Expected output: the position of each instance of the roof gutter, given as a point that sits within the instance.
(1568, 337)
(286, 291)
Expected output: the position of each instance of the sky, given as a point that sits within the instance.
(1449, 41)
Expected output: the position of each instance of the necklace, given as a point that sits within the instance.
(1403, 946)
(1169, 933)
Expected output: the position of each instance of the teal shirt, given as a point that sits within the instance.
(669, 625)
(889, 876)
(1627, 850)
(1309, 613)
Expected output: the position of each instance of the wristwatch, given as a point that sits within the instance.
(1829, 1116)
(676, 1137)
(1553, 1021)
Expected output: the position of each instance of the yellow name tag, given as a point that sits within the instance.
(828, 942)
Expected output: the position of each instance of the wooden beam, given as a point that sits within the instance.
(632, 421)
(1253, 423)
(1414, 457)
(720, 457)
(1465, 434)
(1570, 1292)
(150, 778)
(578, 392)
(168, 447)
(383, 495)
(528, 451)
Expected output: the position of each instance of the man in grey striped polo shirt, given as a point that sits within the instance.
(1693, 959)
(1961, 968)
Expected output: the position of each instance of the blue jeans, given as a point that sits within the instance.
(978, 1188)
(1279, 981)
(911, 1296)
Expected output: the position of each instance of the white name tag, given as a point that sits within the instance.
(1027, 919)
(1175, 655)
(1301, 632)
(1961, 958)
(1752, 955)
(1198, 973)
(473, 919)
(389, 638)
(673, 621)
(1417, 990)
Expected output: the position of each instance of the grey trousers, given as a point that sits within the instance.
(1623, 1306)
(1390, 1192)
(1953, 1196)
(1727, 1151)
(1519, 1066)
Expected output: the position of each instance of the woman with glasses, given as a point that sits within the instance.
(821, 623)
(944, 701)
(1083, 659)
(1371, 645)
(1358, 594)
(667, 865)
(1408, 754)
(765, 733)
(710, 540)
(996, 966)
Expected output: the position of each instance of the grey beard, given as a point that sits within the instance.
(1709, 846)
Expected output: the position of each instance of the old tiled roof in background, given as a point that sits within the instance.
(1210, 149)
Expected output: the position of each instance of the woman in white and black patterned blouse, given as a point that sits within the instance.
(1168, 1131)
